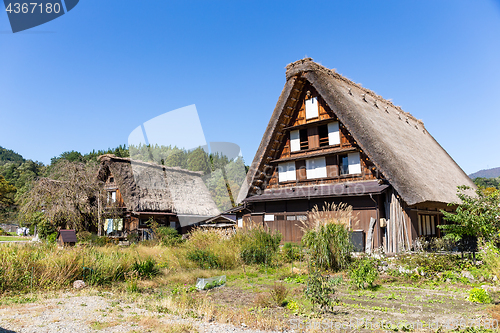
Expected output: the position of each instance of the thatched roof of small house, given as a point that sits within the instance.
(396, 142)
(148, 187)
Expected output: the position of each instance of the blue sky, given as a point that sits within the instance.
(89, 78)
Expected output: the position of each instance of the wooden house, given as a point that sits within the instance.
(331, 140)
(138, 191)
(66, 238)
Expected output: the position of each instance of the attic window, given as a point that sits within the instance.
(286, 172)
(111, 197)
(316, 168)
(312, 110)
(111, 179)
(323, 136)
(295, 140)
(349, 164)
(304, 139)
(333, 133)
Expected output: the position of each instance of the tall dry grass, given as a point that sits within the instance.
(326, 235)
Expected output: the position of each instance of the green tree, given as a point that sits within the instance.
(487, 182)
(198, 161)
(477, 214)
(7, 192)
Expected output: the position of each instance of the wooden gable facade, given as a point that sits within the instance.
(326, 143)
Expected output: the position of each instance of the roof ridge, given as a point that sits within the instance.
(309, 65)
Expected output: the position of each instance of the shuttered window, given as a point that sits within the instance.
(354, 163)
(286, 172)
(295, 140)
(316, 168)
(312, 110)
(333, 133)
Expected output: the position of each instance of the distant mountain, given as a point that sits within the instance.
(487, 173)
(7, 155)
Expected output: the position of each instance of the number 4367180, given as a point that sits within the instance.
(33, 7)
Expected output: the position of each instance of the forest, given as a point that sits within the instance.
(21, 180)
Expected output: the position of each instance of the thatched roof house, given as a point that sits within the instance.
(395, 157)
(143, 190)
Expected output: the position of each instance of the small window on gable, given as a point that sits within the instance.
(111, 197)
(111, 179)
(304, 139)
(333, 133)
(316, 168)
(323, 136)
(343, 165)
(312, 109)
(295, 140)
(349, 164)
(286, 172)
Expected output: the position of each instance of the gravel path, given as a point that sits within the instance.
(71, 313)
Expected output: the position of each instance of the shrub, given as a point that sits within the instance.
(291, 252)
(328, 238)
(479, 295)
(224, 247)
(2, 232)
(84, 236)
(279, 293)
(204, 258)
(168, 236)
(51, 238)
(146, 268)
(363, 272)
(259, 246)
(319, 291)
(45, 228)
(491, 257)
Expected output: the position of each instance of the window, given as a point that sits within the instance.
(323, 136)
(280, 217)
(333, 133)
(343, 165)
(426, 225)
(304, 139)
(354, 163)
(312, 110)
(295, 140)
(301, 217)
(349, 164)
(111, 197)
(291, 217)
(286, 172)
(268, 217)
(316, 168)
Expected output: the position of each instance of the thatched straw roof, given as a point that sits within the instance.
(148, 187)
(395, 141)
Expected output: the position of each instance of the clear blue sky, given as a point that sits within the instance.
(89, 78)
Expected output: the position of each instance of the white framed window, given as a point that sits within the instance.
(354, 163)
(286, 172)
(312, 109)
(111, 197)
(295, 140)
(316, 168)
(268, 217)
(240, 222)
(333, 133)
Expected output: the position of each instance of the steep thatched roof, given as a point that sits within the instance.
(148, 187)
(397, 143)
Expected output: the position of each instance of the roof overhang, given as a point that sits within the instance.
(321, 191)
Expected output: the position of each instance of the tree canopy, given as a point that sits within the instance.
(477, 214)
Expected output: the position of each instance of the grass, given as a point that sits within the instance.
(13, 239)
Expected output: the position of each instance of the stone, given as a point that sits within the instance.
(468, 275)
(481, 279)
(495, 278)
(79, 284)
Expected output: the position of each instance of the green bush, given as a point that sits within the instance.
(479, 295)
(259, 246)
(51, 238)
(204, 258)
(168, 236)
(84, 236)
(319, 291)
(330, 246)
(146, 268)
(45, 228)
(2, 232)
(363, 272)
(291, 252)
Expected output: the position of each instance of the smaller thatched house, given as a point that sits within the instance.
(139, 191)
